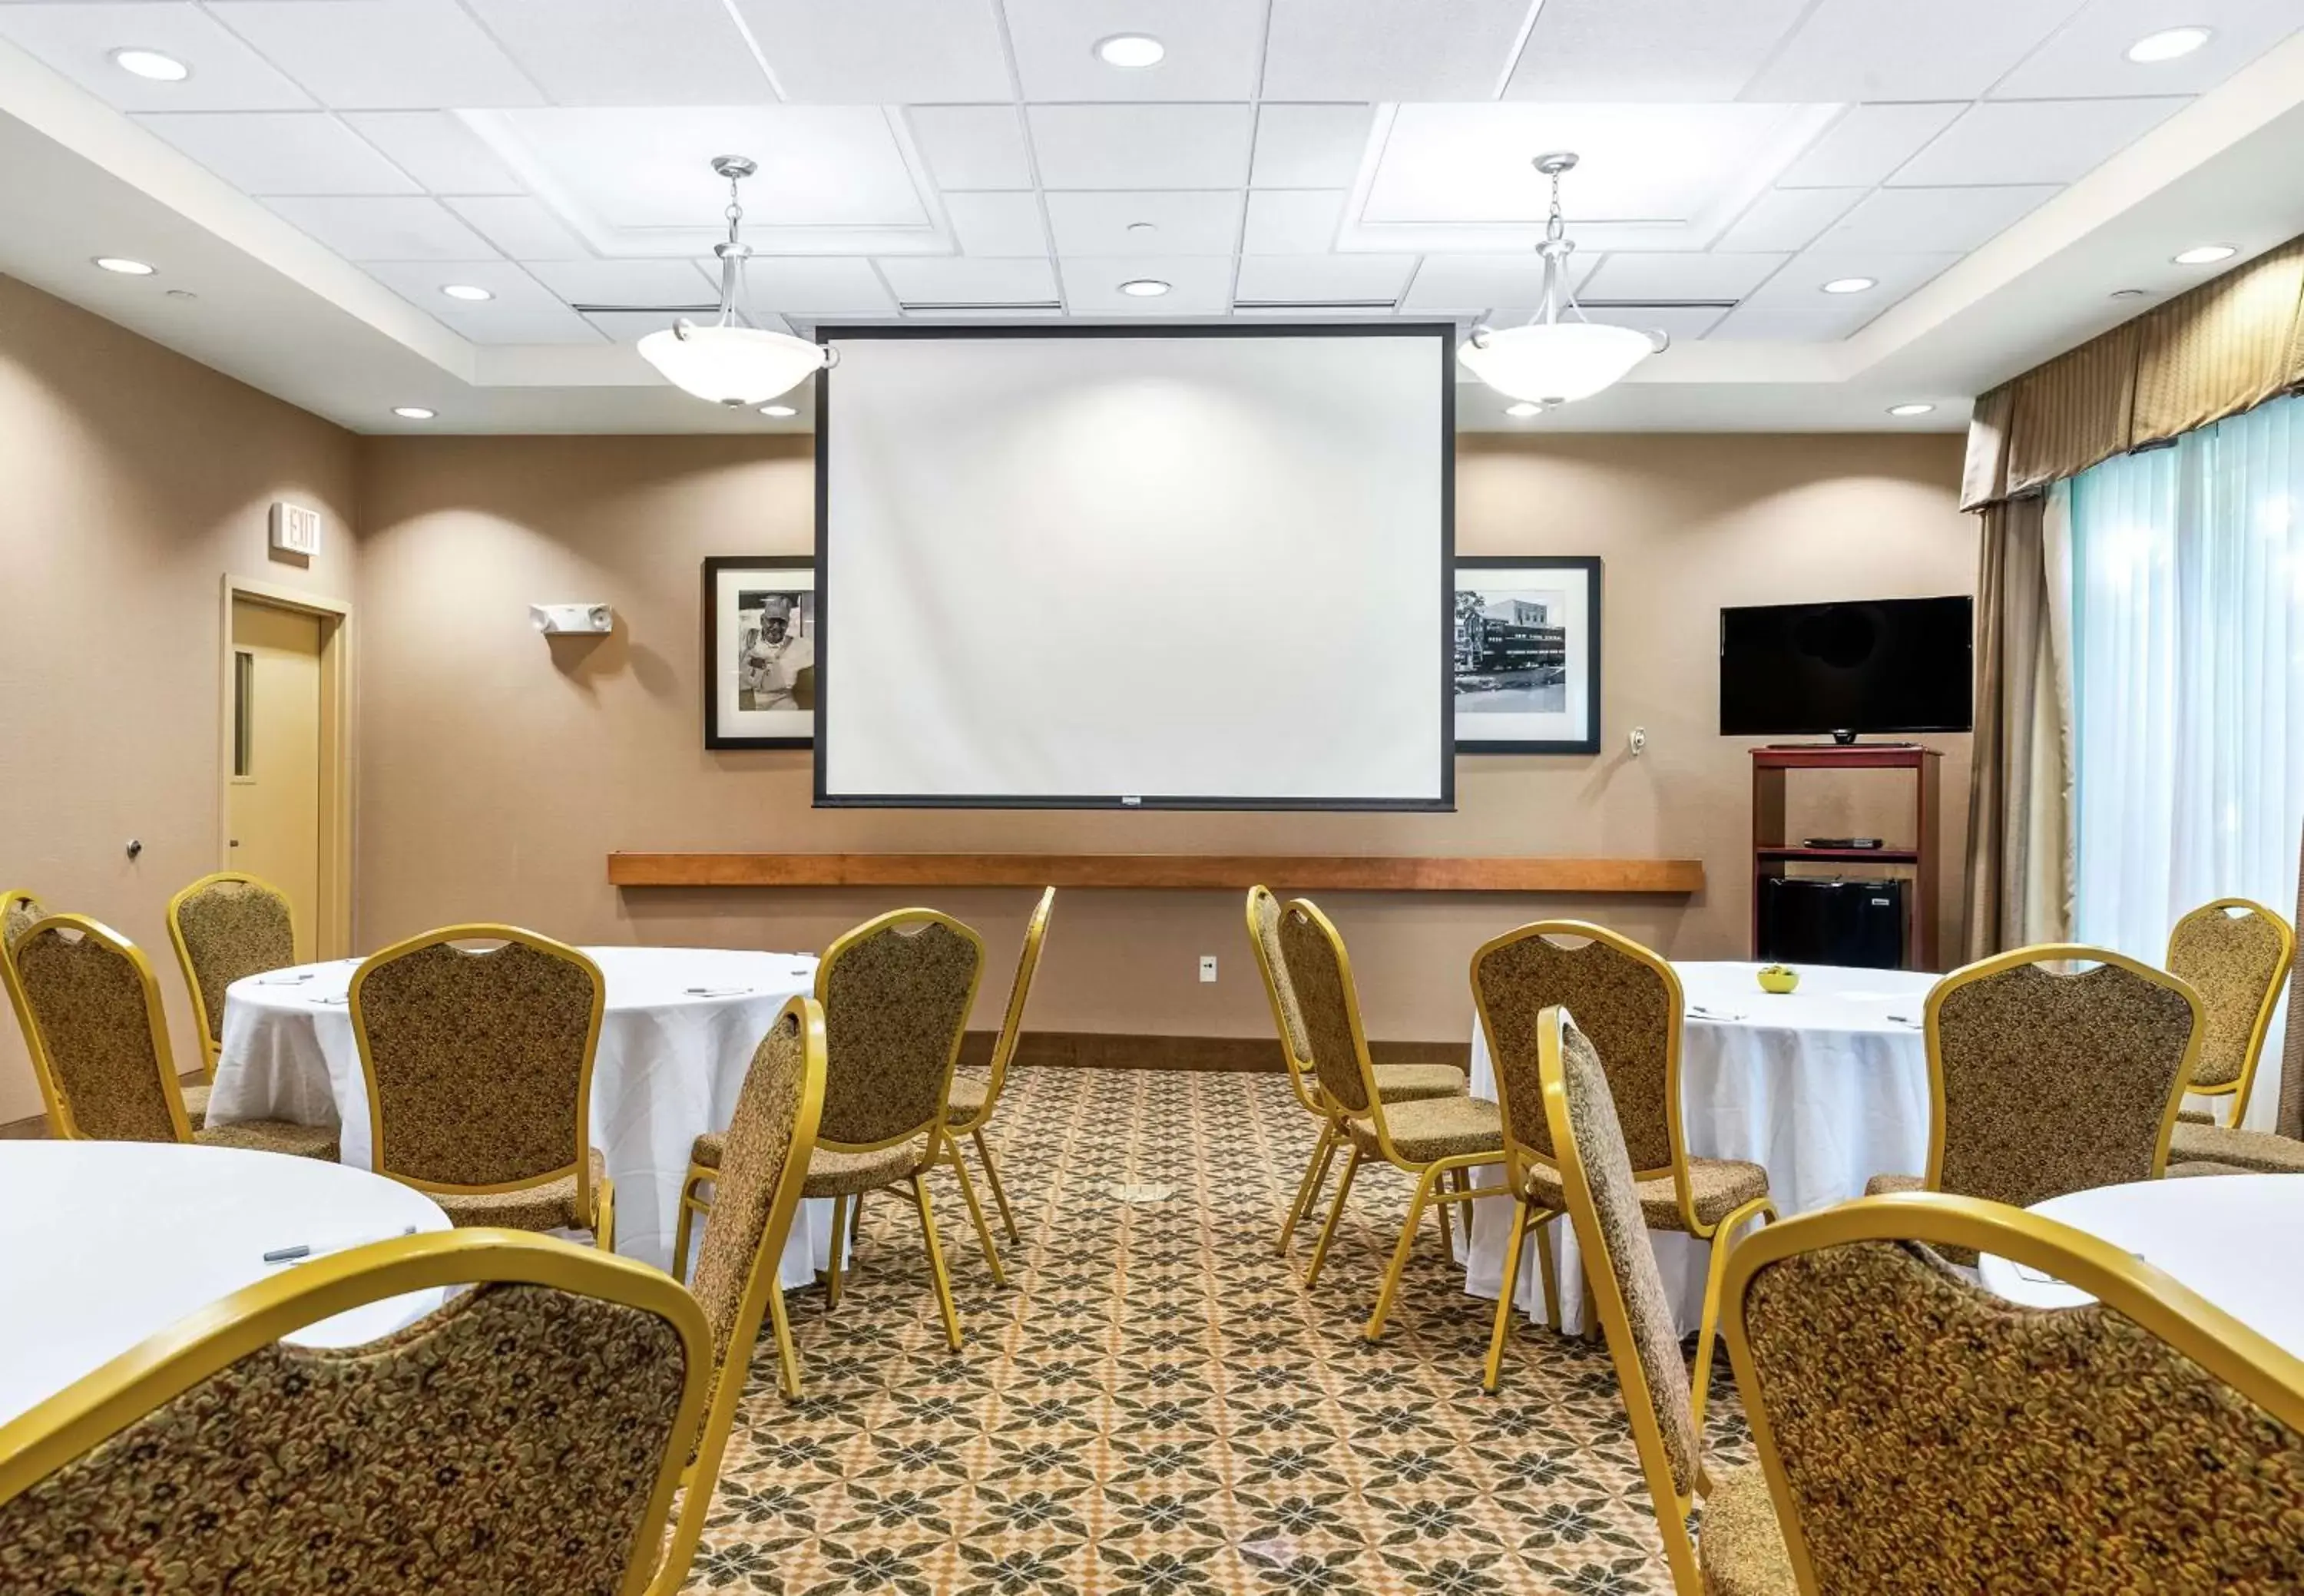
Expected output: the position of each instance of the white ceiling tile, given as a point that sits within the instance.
(1212, 48)
(1680, 324)
(1293, 221)
(1897, 49)
(77, 40)
(1800, 285)
(523, 310)
(1141, 146)
(1309, 147)
(2089, 56)
(437, 149)
(825, 285)
(1788, 218)
(1474, 283)
(628, 283)
(1197, 286)
(524, 229)
(945, 280)
(1390, 50)
(997, 224)
(384, 229)
(1189, 221)
(881, 52)
(1866, 144)
(381, 54)
(623, 53)
(2057, 142)
(1626, 50)
(1932, 219)
(1766, 324)
(972, 147)
(1689, 274)
(630, 327)
(1358, 277)
(281, 152)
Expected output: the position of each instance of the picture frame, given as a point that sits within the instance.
(761, 633)
(1526, 652)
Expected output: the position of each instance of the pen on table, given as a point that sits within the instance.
(303, 1249)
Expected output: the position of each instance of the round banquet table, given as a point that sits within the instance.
(108, 1243)
(1825, 1086)
(680, 1026)
(2218, 1234)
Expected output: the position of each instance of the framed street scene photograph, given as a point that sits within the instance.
(760, 652)
(1527, 655)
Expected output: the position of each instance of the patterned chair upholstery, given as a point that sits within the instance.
(2045, 1083)
(100, 1041)
(974, 1098)
(1438, 1141)
(226, 927)
(1924, 1435)
(1394, 1083)
(20, 910)
(479, 1064)
(2236, 955)
(233, 1461)
(1628, 1002)
(1740, 1551)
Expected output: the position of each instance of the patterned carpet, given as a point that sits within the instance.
(1154, 1406)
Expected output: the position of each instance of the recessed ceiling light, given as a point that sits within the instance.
(2207, 254)
(1130, 50)
(778, 411)
(2167, 44)
(413, 413)
(1914, 408)
(1523, 410)
(124, 266)
(1144, 288)
(1851, 284)
(152, 64)
(472, 291)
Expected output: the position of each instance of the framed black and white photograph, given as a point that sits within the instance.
(1527, 655)
(760, 652)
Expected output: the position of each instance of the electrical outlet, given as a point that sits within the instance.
(1208, 966)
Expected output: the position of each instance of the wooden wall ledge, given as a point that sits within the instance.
(1225, 872)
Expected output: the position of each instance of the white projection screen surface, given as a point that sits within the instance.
(1184, 568)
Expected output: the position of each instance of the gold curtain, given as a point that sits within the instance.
(2222, 348)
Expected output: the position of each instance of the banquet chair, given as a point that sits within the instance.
(1628, 1000)
(1739, 1548)
(974, 1098)
(479, 1070)
(738, 1265)
(1920, 1434)
(18, 912)
(1438, 1140)
(1394, 1083)
(528, 1436)
(100, 1039)
(2237, 955)
(2042, 1083)
(225, 927)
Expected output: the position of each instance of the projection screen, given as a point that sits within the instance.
(1174, 568)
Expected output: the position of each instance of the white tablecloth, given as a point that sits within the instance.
(2221, 1236)
(104, 1243)
(679, 1031)
(1826, 1087)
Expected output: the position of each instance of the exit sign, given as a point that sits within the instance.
(295, 529)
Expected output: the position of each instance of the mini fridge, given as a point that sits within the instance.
(1819, 921)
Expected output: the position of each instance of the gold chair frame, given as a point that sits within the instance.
(100, 1405)
(2221, 1344)
(1003, 1053)
(201, 1029)
(2238, 1087)
(600, 1204)
(1301, 1080)
(1932, 1177)
(155, 1020)
(52, 1101)
(1433, 1180)
(1520, 1161)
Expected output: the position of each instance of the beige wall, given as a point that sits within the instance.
(498, 768)
(132, 481)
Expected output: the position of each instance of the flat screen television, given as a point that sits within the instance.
(1878, 666)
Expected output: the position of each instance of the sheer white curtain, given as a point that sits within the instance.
(2187, 662)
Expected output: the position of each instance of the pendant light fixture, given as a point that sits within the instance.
(727, 362)
(1551, 361)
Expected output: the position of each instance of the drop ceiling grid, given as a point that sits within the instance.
(1961, 116)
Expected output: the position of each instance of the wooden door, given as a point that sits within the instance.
(277, 775)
